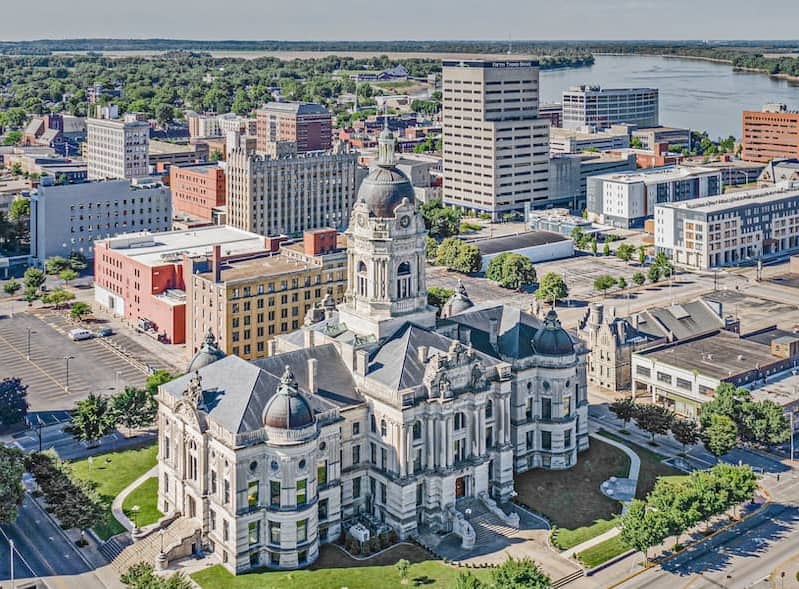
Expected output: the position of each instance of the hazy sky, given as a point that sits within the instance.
(401, 19)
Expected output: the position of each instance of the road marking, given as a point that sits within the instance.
(19, 555)
(21, 355)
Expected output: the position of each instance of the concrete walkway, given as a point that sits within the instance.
(116, 506)
(611, 533)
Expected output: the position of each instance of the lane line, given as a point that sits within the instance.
(19, 555)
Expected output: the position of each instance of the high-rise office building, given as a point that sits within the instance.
(274, 196)
(593, 106)
(307, 124)
(117, 148)
(772, 133)
(496, 148)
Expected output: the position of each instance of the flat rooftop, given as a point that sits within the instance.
(514, 242)
(657, 174)
(576, 134)
(660, 129)
(154, 249)
(719, 355)
(741, 198)
(161, 147)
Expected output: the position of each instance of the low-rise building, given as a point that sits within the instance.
(198, 191)
(626, 200)
(553, 112)
(539, 246)
(650, 137)
(683, 375)
(141, 277)
(731, 229)
(163, 154)
(576, 141)
(249, 302)
(68, 219)
(779, 171)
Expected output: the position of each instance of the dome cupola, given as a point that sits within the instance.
(208, 353)
(552, 339)
(288, 409)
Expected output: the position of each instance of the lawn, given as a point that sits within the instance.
(146, 497)
(111, 473)
(603, 552)
(651, 466)
(334, 569)
(571, 498)
(564, 538)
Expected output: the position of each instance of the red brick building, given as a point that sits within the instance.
(197, 190)
(770, 134)
(307, 124)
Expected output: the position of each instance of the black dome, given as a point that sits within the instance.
(552, 339)
(208, 353)
(288, 409)
(384, 189)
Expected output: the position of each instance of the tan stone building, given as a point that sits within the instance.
(249, 301)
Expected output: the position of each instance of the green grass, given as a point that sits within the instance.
(111, 473)
(467, 226)
(430, 574)
(603, 552)
(571, 498)
(565, 539)
(146, 497)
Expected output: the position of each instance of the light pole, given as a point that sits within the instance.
(28, 355)
(792, 439)
(66, 360)
(11, 548)
(38, 429)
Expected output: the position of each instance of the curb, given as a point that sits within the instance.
(61, 531)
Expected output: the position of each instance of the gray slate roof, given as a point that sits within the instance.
(683, 321)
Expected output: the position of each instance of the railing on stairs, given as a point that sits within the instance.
(462, 527)
(511, 519)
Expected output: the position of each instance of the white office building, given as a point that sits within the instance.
(625, 200)
(69, 218)
(117, 148)
(600, 108)
(495, 145)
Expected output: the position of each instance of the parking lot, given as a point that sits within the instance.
(55, 383)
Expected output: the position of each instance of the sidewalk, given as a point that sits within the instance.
(116, 506)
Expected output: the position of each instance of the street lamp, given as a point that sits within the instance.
(28, 355)
(37, 428)
(135, 511)
(66, 360)
(11, 549)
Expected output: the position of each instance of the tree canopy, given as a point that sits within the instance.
(511, 270)
(13, 401)
(551, 288)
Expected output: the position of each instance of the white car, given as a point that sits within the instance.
(77, 335)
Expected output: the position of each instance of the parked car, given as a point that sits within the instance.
(77, 335)
(104, 332)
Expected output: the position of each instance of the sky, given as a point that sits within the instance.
(401, 19)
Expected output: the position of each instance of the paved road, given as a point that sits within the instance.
(42, 548)
(740, 558)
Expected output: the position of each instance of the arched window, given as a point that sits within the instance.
(373, 424)
(383, 427)
(362, 279)
(489, 409)
(417, 430)
(404, 280)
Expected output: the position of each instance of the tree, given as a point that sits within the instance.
(430, 248)
(765, 423)
(29, 295)
(728, 400)
(664, 264)
(580, 238)
(437, 296)
(402, 567)
(440, 221)
(642, 527)
(93, 418)
(552, 288)
(624, 409)
(653, 274)
(12, 137)
(654, 419)
(593, 245)
(57, 297)
(13, 401)
(12, 493)
(639, 278)
(80, 310)
(519, 574)
(156, 379)
(606, 249)
(135, 408)
(33, 278)
(720, 435)
(511, 270)
(642, 255)
(625, 252)
(215, 156)
(604, 283)
(55, 265)
(466, 580)
(469, 259)
(19, 210)
(142, 576)
(621, 282)
(67, 275)
(685, 431)
(11, 287)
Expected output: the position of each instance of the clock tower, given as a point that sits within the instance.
(386, 253)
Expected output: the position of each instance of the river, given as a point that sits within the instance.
(697, 94)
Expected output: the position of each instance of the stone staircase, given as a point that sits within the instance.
(488, 526)
(148, 548)
(112, 548)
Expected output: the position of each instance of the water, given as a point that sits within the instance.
(700, 95)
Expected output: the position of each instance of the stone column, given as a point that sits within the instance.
(430, 444)
(402, 455)
(442, 442)
(481, 430)
(409, 452)
(450, 438)
(499, 419)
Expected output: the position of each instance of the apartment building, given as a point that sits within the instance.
(286, 196)
(69, 218)
(772, 133)
(600, 108)
(495, 145)
(307, 124)
(625, 200)
(117, 148)
(198, 191)
(246, 303)
(727, 230)
(142, 277)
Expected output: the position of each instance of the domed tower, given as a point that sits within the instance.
(553, 340)
(287, 411)
(208, 353)
(459, 302)
(386, 250)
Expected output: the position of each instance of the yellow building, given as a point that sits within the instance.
(248, 301)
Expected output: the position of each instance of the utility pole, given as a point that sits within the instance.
(66, 384)
(11, 547)
(28, 355)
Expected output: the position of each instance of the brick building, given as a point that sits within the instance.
(197, 191)
(308, 124)
(772, 133)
